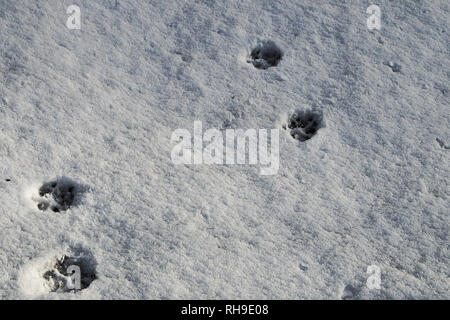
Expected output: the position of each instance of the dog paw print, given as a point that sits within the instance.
(303, 124)
(58, 195)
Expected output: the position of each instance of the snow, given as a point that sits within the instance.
(98, 106)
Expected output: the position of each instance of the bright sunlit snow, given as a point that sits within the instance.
(87, 178)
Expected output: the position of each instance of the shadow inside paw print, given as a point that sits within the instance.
(304, 124)
(350, 292)
(266, 54)
(58, 195)
(63, 277)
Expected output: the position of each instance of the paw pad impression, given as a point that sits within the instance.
(266, 54)
(70, 273)
(58, 195)
(303, 124)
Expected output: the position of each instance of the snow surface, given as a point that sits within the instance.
(98, 106)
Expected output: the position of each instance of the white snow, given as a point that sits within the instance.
(99, 105)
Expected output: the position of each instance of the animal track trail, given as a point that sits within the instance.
(58, 195)
(303, 124)
(266, 54)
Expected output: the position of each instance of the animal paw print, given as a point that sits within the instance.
(266, 54)
(60, 278)
(58, 195)
(304, 124)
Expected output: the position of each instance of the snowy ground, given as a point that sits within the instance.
(98, 106)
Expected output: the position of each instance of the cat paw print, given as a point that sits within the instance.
(71, 272)
(57, 195)
(303, 124)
